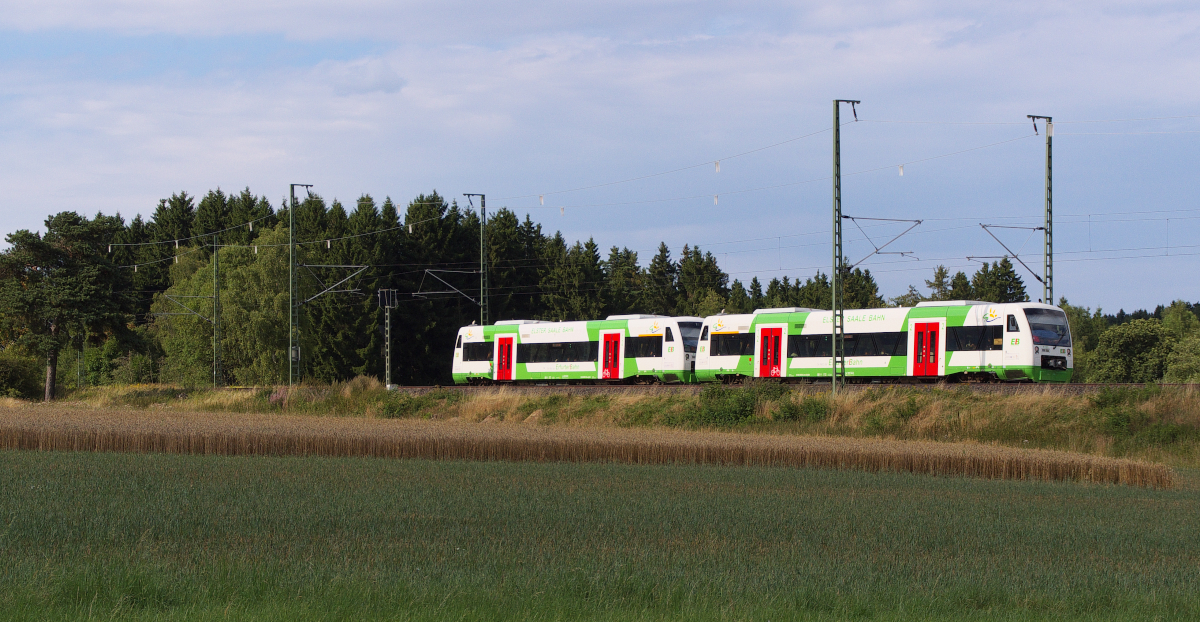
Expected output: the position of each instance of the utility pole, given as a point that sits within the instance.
(835, 279)
(216, 261)
(387, 301)
(1048, 233)
(483, 259)
(293, 309)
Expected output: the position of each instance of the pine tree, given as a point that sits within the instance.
(960, 288)
(61, 287)
(756, 294)
(174, 218)
(570, 288)
(861, 290)
(623, 281)
(998, 283)
(659, 295)
(815, 293)
(739, 299)
(212, 215)
(246, 208)
(699, 274)
(939, 286)
(777, 291)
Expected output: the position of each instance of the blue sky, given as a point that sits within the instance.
(112, 105)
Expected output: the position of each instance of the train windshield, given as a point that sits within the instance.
(1049, 327)
(690, 332)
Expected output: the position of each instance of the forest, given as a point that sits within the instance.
(99, 300)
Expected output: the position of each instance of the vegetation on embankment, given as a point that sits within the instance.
(1159, 423)
(165, 537)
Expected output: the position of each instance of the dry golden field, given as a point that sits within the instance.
(478, 435)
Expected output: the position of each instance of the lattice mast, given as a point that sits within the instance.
(836, 285)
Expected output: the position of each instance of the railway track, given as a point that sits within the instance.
(693, 389)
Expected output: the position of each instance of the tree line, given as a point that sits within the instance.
(133, 301)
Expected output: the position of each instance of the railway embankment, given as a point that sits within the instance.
(1154, 423)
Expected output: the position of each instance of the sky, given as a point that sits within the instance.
(606, 120)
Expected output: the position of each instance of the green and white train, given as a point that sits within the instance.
(954, 340)
(622, 348)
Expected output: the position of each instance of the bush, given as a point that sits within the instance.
(1183, 364)
(811, 408)
(134, 368)
(21, 376)
(1133, 352)
(721, 406)
(403, 404)
(1132, 427)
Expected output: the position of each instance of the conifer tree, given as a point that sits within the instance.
(660, 293)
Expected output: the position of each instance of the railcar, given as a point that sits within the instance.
(618, 349)
(954, 340)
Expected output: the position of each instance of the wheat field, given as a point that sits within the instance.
(122, 430)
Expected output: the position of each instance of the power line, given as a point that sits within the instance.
(1125, 133)
(249, 223)
(1023, 123)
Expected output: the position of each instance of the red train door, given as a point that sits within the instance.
(925, 348)
(769, 358)
(612, 357)
(504, 358)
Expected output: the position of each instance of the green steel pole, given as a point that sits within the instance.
(1048, 251)
(836, 286)
(1048, 228)
(216, 261)
(835, 280)
(292, 285)
(483, 262)
(387, 314)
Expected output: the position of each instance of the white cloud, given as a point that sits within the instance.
(520, 99)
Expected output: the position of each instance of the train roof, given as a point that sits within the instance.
(785, 310)
(952, 303)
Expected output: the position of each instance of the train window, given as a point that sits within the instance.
(670, 336)
(704, 334)
(805, 346)
(964, 338)
(643, 347)
(459, 343)
(1012, 324)
(736, 344)
(567, 352)
(478, 351)
(866, 345)
(974, 338)
(688, 332)
(1049, 327)
(891, 344)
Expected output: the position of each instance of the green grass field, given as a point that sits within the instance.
(201, 537)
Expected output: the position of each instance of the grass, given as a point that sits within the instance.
(255, 434)
(168, 537)
(1161, 424)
